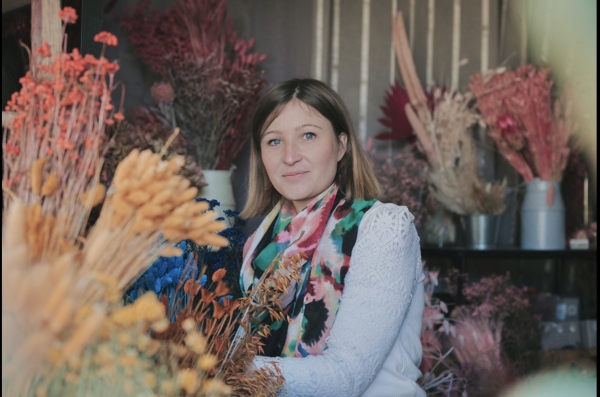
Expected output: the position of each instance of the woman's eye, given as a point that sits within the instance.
(310, 135)
(273, 142)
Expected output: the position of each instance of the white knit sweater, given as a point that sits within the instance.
(374, 349)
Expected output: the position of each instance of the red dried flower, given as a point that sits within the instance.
(395, 116)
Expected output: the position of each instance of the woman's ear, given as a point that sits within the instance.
(342, 141)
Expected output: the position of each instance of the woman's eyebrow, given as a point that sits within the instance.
(308, 125)
(271, 132)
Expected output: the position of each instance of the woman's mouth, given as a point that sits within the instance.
(292, 176)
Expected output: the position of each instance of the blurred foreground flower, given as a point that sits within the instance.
(66, 330)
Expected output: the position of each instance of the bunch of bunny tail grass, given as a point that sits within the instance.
(60, 298)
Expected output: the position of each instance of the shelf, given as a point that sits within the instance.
(461, 256)
(506, 253)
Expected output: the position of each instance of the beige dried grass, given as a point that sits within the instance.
(446, 137)
(41, 297)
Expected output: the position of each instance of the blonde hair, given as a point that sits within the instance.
(355, 177)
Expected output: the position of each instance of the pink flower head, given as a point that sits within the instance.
(510, 132)
(106, 38)
(68, 15)
(506, 122)
(162, 92)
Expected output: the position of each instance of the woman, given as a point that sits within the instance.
(356, 312)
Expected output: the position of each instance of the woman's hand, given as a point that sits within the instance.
(251, 368)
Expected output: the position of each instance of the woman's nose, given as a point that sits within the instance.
(291, 154)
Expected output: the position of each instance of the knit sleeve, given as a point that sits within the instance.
(385, 265)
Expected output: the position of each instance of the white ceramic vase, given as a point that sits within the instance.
(543, 216)
(219, 188)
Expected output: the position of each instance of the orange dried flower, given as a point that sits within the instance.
(218, 275)
(111, 68)
(106, 38)
(119, 116)
(187, 286)
(221, 289)
(68, 15)
(44, 50)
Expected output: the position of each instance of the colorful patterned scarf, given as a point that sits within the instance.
(330, 225)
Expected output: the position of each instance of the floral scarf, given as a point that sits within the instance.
(330, 225)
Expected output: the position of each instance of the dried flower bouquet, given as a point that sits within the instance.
(210, 81)
(531, 131)
(479, 346)
(446, 138)
(65, 329)
(403, 178)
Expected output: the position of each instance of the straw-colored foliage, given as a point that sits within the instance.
(445, 135)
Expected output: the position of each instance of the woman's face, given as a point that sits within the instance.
(300, 153)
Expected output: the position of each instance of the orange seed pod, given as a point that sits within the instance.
(138, 197)
(93, 196)
(188, 194)
(171, 251)
(36, 175)
(50, 185)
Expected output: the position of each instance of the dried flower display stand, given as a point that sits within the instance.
(543, 216)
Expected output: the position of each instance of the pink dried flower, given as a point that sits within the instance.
(162, 92)
(530, 129)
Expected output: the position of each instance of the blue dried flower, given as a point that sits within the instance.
(166, 274)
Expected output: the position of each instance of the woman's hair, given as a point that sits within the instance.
(354, 177)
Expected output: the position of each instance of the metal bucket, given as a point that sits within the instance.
(481, 230)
